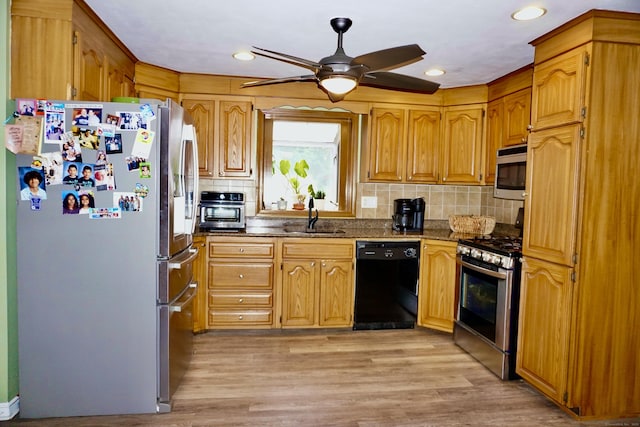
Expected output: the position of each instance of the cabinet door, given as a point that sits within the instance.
(436, 295)
(544, 326)
(299, 280)
(200, 276)
(552, 194)
(517, 113)
(89, 71)
(336, 293)
(202, 112)
(495, 138)
(41, 51)
(423, 146)
(234, 151)
(559, 86)
(386, 144)
(461, 159)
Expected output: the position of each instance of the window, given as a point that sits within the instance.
(302, 148)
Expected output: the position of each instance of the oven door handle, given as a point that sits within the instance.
(491, 273)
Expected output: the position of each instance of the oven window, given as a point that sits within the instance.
(231, 214)
(478, 302)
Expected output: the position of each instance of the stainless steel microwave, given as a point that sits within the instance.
(511, 165)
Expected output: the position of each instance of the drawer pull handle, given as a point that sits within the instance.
(241, 300)
(241, 276)
(241, 249)
(240, 317)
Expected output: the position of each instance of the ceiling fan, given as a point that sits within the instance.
(339, 74)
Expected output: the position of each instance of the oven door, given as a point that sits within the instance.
(484, 297)
(222, 215)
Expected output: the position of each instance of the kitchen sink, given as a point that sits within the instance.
(315, 231)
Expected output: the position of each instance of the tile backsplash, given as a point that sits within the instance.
(441, 200)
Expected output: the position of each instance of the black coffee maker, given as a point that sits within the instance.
(408, 214)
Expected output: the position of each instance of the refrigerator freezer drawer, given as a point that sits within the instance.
(175, 344)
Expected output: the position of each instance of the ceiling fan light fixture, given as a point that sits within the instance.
(434, 72)
(244, 56)
(528, 13)
(338, 85)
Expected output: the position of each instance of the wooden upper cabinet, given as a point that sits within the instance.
(552, 194)
(462, 145)
(234, 144)
(386, 144)
(423, 146)
(404, 144)
(517, 117)
(66, 54)
(202, 112)
(495, 138)
(41, 50)
(559, 89)
(544, 331)
(89, 71)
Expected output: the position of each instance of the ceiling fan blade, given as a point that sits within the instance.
(307, 78)
(390, 58)
(401, 82)
(289, 59)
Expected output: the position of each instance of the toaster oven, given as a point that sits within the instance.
(222, 211)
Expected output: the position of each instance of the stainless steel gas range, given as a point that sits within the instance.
(488, 294)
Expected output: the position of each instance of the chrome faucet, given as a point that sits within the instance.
(312, 219)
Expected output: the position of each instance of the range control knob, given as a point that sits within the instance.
(487, 257)
(496, 259)
(463, 250)
(476, 253)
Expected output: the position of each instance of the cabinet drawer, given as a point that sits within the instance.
(240, 275)
(237, 299)
(222, 317)
(240, 249)
(317, 250)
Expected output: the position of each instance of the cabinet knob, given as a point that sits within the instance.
(241, 276)
(525, 194)
(313, 264)
(240, 317)
(241, 249)
(241, 300)
(444, 178)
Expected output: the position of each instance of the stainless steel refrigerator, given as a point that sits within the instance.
(105, 283)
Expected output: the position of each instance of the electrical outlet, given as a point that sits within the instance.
(369, 202)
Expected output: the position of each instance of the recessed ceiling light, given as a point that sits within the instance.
(244, 56)
(434, 72)
(528, 13)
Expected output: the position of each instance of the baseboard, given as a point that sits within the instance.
(9, 410)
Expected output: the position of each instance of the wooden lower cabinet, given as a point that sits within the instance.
(544, 327)
(437, 288)
(240, 283)
(317, 283)
(200, 276)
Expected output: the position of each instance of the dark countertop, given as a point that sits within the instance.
(349, 229)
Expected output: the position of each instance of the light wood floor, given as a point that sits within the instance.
(341, 378)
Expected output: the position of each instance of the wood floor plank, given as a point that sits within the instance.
(340, 378)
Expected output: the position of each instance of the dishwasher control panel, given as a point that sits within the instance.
(387, 250)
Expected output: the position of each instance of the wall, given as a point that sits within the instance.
(8, 301)
(441, 200)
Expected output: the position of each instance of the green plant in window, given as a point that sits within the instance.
(319, 194)
(300, 169)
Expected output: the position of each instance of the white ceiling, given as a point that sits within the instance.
(475, 41)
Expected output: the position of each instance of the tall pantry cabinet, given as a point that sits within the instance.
(579, 314)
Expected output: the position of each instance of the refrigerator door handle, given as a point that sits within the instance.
(178, 308)
(177, 265)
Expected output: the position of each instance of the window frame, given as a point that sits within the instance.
(351, 125)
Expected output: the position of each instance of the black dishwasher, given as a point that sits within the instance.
(386, 284)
